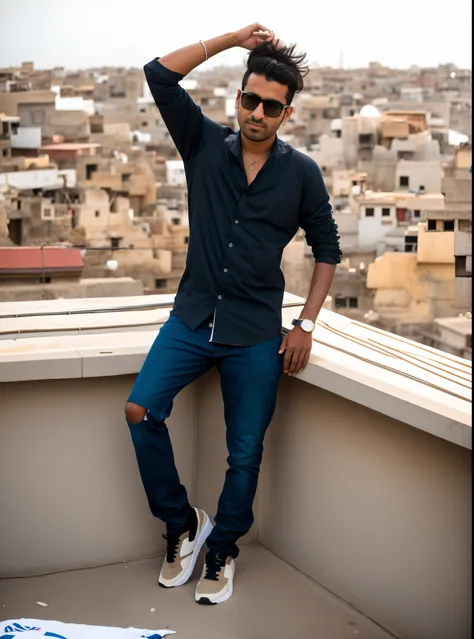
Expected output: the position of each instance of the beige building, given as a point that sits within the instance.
(411, 289)
(457, 218)
(452, 335)
(8, 128)
(10, 102)
(419, 176)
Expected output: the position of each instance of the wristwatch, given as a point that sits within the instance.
(306, 325)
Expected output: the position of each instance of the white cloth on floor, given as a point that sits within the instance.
(36, 628)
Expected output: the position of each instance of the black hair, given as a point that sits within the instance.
(281, 64)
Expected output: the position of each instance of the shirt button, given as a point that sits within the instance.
(237, 221)
(230, 244)
(219, 297)
(225, 270)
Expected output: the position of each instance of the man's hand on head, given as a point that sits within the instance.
(297, 346)
(253, 35)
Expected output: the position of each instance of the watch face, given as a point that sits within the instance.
(307, 325)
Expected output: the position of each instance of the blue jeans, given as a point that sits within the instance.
(249, 382)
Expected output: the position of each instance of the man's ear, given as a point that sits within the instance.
(289, 112)
(237, 98)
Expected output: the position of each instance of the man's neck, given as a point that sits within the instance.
(256, 148)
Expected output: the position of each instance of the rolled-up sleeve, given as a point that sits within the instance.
(183, 118)
(317, 220)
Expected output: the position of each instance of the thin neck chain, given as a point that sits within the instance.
(252, 162)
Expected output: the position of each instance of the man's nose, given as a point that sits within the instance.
(259, 113)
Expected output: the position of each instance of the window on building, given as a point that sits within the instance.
(5, 153)
(18, 205)
(47, 213)
(385, 212)
(160, 283)
(142, 109)
(97, 213)
(353, 302)
(126, 177)
(460, 266)
(449, 225)
(411, 242)
(369, 212)
(468, 341)
(422, 188)
(186, 240)
(365, 139)
(404, 180)
(340, 301)
(465, 225)
(175, 221)
(431, 225)
(402, 215)
(144, 124)
(416, 213)
(47, 280)
(90, 170)
(114, 242)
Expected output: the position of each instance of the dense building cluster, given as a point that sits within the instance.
(87, 165)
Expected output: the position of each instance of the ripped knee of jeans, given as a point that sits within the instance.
(134, 413)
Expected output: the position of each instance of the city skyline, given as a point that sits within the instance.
(130, 38)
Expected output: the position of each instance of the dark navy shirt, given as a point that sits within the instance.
(238, 232)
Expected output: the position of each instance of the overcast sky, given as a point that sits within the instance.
(84, 33)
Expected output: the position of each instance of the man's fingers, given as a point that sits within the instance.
(283, 345)
(296, 362)
(287, 362)
(260, 27)
(303, 360)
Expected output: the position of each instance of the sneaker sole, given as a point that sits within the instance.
(184, 578)
(205, 601)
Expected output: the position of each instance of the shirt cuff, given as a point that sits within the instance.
(170, 76)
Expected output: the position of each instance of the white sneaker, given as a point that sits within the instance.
(183, 551)
(216, 583)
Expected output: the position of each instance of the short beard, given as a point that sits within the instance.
(256, 137)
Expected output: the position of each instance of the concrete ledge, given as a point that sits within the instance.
(418, 385)
(54, 365)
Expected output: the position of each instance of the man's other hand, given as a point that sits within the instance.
(297, 346)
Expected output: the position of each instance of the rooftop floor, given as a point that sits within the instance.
(271, 600)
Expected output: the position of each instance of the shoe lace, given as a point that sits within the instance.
(172, 543)
(213, 566)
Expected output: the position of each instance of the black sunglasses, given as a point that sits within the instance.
(271, 108)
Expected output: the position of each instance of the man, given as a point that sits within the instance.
(248, 194)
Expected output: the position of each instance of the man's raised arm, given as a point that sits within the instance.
(182, 117)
